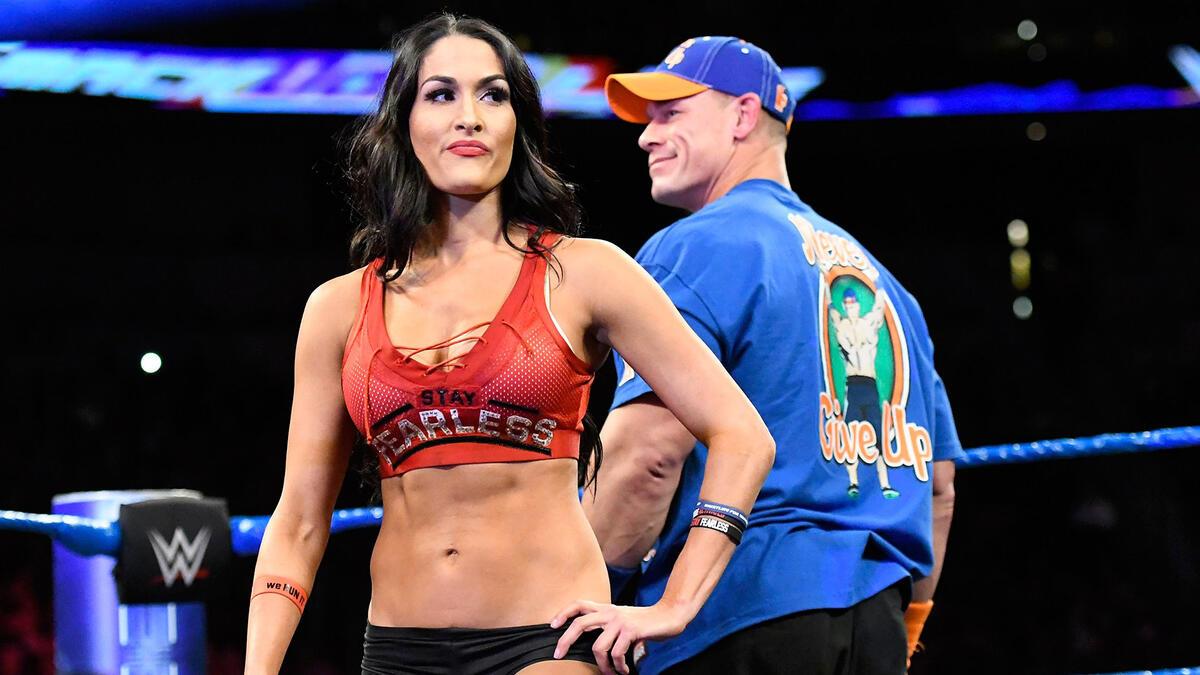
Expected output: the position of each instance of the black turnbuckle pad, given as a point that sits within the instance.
(172, 550)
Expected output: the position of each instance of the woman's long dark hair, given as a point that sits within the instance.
(390, 191)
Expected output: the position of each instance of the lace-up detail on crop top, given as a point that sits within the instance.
(519, 393)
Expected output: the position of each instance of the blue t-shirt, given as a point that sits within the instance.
(836, 357)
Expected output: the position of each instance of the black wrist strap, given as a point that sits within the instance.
(720, 525)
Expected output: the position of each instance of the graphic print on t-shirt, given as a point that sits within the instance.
(866, 370)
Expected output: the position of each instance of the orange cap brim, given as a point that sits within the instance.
(628, 93)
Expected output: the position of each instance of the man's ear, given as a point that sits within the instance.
(749, 112)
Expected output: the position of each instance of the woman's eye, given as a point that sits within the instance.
(439, 95)
(495, 95)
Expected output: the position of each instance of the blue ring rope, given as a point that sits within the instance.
(247, 531)
(1168, 671)
(1104, 444)
(85, 536)
(88, 536)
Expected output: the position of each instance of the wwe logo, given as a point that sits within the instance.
(180, 558)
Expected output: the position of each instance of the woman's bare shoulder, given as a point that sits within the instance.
(333, 305)
(590, 253)
(598, 274)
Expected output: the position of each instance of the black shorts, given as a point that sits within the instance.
(466, 651)
(865, 639)
(863, 404)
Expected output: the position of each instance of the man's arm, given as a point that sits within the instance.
(943, 512)
(645, 447)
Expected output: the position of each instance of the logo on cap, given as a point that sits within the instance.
(781, 98)
(676, 56)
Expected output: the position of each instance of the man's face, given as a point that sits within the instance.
(689, 142)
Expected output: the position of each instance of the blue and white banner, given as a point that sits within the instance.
(337, 82)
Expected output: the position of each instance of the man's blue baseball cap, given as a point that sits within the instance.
(726, 64)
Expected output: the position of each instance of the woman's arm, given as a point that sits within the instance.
(631, 313)
(320, 438)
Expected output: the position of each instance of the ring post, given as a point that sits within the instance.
(93, 632)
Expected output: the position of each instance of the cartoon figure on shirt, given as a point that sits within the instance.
(857, 336)
(863, 400)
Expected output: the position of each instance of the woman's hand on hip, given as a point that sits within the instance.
(622, 627)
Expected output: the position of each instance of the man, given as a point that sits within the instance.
(832, 351)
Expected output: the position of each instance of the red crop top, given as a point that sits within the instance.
(519, 394)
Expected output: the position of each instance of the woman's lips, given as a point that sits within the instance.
(468, 148)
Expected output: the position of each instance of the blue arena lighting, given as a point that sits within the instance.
(288, 81)
(571, 86)
(800, 81)
(49, 19)
(999, 99)
(1187, 61)
(258, 80)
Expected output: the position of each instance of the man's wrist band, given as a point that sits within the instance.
(724, 509)
(718, 514)
(914, 622)
(721, 525)
(286, 587)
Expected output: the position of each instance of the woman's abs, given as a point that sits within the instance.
(483, 546)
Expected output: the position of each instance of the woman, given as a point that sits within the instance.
(484, 554)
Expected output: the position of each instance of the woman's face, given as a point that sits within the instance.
(462, 123)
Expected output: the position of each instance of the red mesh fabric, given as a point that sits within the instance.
(518, 395)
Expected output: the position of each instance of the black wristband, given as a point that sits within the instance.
(725, 509)
(720, 525)
(719, 514)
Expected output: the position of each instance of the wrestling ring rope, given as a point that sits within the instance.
(87, 546)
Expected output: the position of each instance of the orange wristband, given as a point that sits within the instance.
(289, 589)
(914, 622)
